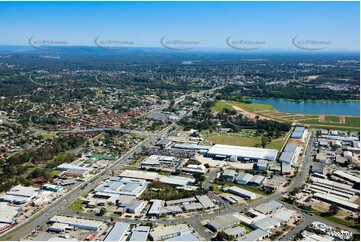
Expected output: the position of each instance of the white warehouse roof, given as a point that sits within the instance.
(243, 152)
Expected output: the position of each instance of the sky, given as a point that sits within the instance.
(274, 24)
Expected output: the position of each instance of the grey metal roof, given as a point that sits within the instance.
(117, 232)
(254, 235)
(286, 157)
(266, 208)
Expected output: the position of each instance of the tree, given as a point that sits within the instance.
(264, 141)
(102, 211)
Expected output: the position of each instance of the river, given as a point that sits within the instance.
(310, 107)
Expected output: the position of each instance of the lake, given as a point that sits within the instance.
(309, 107)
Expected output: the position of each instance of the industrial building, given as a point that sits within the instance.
(170, 231)
(241, 152)
(334, 185)
(298, 133)
(164, 143)
(221, 222)
(185, 236)
(288, 153)
(236, 232)
(149, 176)
(195, 169)
(243, 178)
(118, 232)
(339, 202)
(78, 223)
(286, 168)
(229, 175)
(177, 180)
(255, 235)
(155, 209)
(256, 180)
(139, 233)
(346, 176)
(117, 186)
(20, 194)
(205, 201)
(242, 193)
(262, 165)
(190, 146)
(265, 224)
(268, 208)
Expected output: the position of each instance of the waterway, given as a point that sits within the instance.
(310, 107)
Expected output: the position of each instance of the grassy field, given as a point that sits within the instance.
(220, 106)
(247, 228)
(252, 106)
(226, 139)
(335, 119)
(53, 172)
(352, 121)
(76, 205)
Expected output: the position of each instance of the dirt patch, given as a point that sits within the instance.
(249, 115)
(342, 120)
(322, 118)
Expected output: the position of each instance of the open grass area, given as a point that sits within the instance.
(337, 220)
(254, 189)
(53, 172)
(252, 106)
(335, 119)
(230, 139)
(352, 121)
(247, 228)
(220, 106)
(276, 144)
(76, 205)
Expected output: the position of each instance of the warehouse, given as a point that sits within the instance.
(58, 227)
(75, 222)
(288, 153)
(181, 201)
(243, 178)
(193, 207)
(164, 143)
(170, 231)
(122, 186)
(190, 146)
(235, 232)
(256, 180)
(286, 168)
(20, 194)
(118, 232)
(205, 201)
(262, 165)
(242, 193)
(50, 187)
(186, 236)
(268, 208)
(265, 224)
(334, 185)
(229, 175)
(255, 235)
(242, 152)
(339, 202)
(298, 133)
(149, 176)
(139, 233)
(347, 176)
(155, 209)
(177, 180)
(221, 222)
(171, 210)
(195, 169)
(318, 168)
